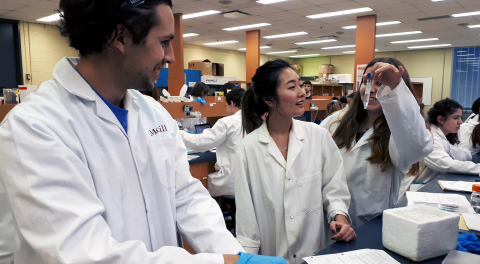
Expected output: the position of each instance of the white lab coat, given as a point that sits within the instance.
(446, 158)
(226, 136)
(465, 135)
(372, 190)
(6, 230)
(83, 191)
(280, 204)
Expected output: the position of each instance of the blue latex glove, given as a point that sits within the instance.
(191, 132)
(200, 100)
(468, 242)
(254, 259)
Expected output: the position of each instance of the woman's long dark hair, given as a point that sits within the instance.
(352, 121)
(264, 87)
(476, 130)
(444, 108)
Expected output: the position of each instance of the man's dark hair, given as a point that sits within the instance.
(343, 100)
(235, 96)
(307, 82)
(90, 24)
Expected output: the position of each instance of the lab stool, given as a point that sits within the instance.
(231, 211)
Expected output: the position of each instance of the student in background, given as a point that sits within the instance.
(382, 143)
(445, 118)
(333, 106)
(200, 91)
(343, 101)
(288, 173)
(350, 99)
(469, 133)
(307, 86)
(226, 136)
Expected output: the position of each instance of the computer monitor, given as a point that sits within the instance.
(199, 128)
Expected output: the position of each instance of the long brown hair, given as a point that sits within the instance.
(352, 120)
(333, 106)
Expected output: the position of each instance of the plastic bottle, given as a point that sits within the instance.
(475, 198)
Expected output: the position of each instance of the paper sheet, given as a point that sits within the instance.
(472, 221)
(460, 186)
(434, 199)
(190, 157)
(362, 256)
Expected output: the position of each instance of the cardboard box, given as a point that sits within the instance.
(205, 66)
(218, 69)
(326, 69)
(298, 69)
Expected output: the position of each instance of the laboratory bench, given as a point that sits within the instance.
(370, 234)
(201, 164)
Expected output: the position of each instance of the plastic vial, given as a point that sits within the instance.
(368, 88)
(475, 198)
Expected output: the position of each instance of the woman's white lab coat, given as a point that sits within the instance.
(280, 204)
(84, 191)
(372, 190)
(465, 135)
(226, 136)
(446, 158)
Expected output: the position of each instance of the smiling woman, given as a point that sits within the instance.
(288, 173)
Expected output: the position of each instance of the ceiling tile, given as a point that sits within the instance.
(46, 4)
(340, 6)
(37, 10)
(375, 3)
(10, 6)
(292, 4)
(409, 16)
(260, 10)
(179, 2)
(323, 2)
(199, 6)
(232, 2)
(282, 15)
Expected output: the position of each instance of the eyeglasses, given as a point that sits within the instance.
(128, 4)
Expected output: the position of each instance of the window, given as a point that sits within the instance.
(465, 86)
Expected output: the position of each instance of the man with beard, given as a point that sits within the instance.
(94, 171)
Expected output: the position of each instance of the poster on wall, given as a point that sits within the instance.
(360, 70)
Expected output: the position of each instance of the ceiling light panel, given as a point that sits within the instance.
(474, 26)
(266, 2)
(476, 13)
(51, 18)
(398, 34)
(378, 24)
(316, 42)
(340, 47)
(220, 43)
(430, 46)
(413, 40)
(340, 13)
(190, 35)
(306, 55)
(352, 51)
(200, 14)
(280, 52)
(247, 26)
(286, 35)
(261, 47)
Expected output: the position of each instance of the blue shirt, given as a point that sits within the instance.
(120, 113)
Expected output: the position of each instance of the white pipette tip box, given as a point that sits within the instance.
(419, 232)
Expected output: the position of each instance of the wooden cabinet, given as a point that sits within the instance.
(328, 90)
(201, 170)
(418, 89)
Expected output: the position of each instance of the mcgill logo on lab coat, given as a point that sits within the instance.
(158, 129)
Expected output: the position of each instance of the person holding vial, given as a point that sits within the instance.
(382, 142)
